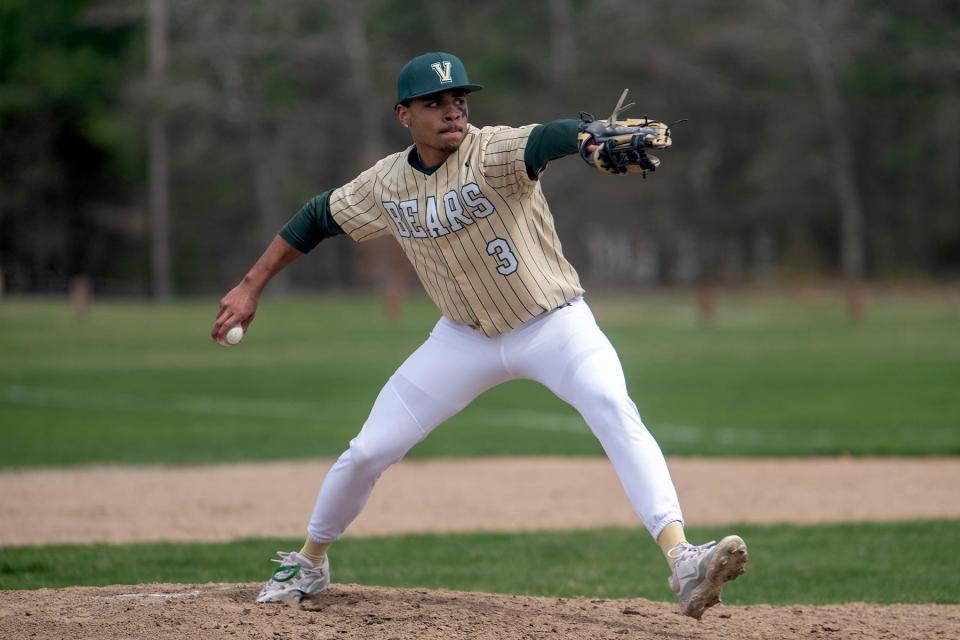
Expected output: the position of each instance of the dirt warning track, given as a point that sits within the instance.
(224, 502)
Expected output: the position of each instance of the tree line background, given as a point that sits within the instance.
(154, 147)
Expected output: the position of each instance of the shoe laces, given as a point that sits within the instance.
(285, 559)
(686, 551)
(293, 560)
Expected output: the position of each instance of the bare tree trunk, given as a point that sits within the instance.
(563, 42)
(381, 260)
(841, 149)
(702, 173)
(353, 18)
(266, 189)
(159, 169)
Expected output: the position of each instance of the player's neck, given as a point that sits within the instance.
(431, 158)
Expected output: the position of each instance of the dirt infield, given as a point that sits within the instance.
(223, 502)
(215, 611)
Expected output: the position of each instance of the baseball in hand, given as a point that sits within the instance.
(235, 335)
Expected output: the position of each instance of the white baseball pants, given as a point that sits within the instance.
(564, 350)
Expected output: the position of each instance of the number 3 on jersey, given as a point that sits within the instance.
(506, 261)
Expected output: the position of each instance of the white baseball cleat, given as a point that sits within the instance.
(295, 579)
(700, 572)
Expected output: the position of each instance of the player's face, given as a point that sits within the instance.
(438, 124)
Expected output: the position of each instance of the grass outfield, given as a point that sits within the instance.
(138, 383)
(881, 563)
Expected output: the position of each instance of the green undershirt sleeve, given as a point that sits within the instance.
(312, 224)
(548, 142)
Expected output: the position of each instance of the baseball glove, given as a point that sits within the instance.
(621, 145)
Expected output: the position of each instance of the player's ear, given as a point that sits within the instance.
(403, 114)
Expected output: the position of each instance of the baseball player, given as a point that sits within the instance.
(466, 206)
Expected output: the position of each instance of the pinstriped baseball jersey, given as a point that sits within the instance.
(478, 231)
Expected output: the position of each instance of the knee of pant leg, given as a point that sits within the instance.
(389, 432)
(605, 405)
(611, 409)
(371, 460)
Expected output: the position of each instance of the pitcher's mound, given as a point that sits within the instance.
(215, 611)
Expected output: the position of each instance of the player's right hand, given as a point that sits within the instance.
(238, 307)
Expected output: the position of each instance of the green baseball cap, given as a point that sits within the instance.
(432, 73)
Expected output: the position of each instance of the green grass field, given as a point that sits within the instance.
(139, 383)
(882, 563)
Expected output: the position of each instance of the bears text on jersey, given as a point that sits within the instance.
(460, 209)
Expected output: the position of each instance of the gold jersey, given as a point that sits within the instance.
(478, 231)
